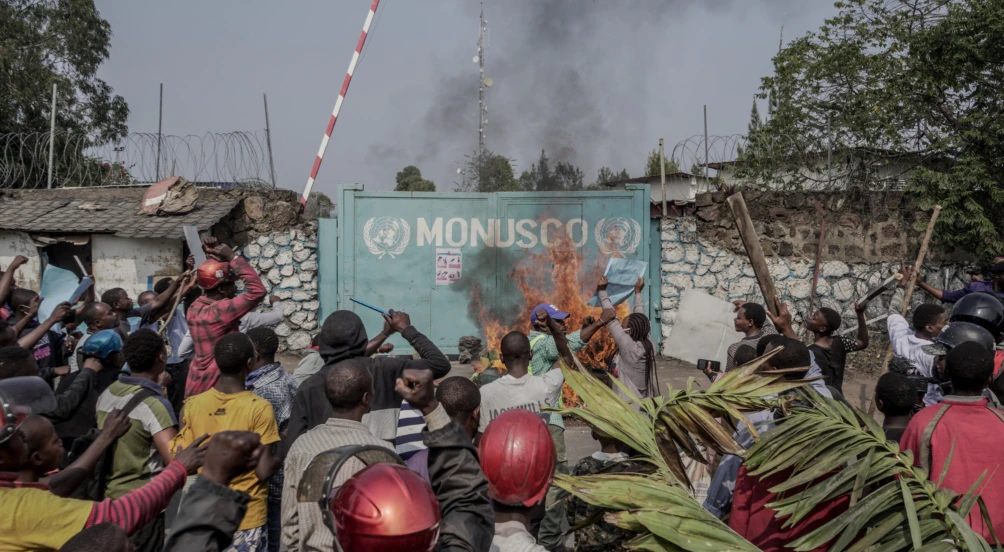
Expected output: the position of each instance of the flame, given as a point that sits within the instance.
(556, 275)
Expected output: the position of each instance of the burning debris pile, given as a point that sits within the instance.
(558, 276)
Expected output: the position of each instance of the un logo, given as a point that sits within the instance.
(618, 236)
(386, 236)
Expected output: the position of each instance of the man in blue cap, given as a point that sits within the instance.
(545, 358)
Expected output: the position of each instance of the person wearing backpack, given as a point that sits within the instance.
(144, 450)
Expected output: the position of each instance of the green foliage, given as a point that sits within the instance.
(542, 178)
(606, 174)
(900, 85)
(652, 164)
(63, 42)
(488, 173)
(830, 449)
(835, 450)
(409, 179)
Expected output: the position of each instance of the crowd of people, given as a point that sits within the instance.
(170, 425)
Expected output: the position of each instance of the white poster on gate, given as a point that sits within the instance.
(449, 266)
(703, 329)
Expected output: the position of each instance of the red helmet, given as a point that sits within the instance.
(212, 273)
(383, 507)
(386, 508)
(518, 457)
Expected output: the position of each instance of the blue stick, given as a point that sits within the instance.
(369, 306)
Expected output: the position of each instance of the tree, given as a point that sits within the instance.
(606, 174)
(409, 179)
(488, 173)
(652, 164)
(542, 178)
(884, 81)
(568, 176)
(62, 42)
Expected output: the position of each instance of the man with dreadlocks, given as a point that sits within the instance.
(634, 363)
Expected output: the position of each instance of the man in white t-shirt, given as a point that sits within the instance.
(908, 340)
(519, 388)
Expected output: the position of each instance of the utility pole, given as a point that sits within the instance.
(52, 134)
(160, 128)
(706, 160)
(268, 141)
(662, 174)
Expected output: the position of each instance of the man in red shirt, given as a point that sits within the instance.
(219, 311)
(750, 517)
(964, 422)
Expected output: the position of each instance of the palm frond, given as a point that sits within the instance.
(822, 446)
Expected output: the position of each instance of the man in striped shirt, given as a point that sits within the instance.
(348, 387)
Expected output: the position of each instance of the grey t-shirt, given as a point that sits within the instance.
(529, 392)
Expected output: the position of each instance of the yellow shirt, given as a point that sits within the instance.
(211, 412)
(35, 519)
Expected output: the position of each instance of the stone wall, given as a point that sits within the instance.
(862, 227)
(287, 262)
(703, 252)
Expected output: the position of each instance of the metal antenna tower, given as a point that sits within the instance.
(482, 81)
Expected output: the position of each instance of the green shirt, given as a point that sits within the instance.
(136, 457)
(545, 357)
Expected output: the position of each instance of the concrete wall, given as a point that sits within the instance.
(131, 263)
(13, 244)
(287, 262)
(703, 252)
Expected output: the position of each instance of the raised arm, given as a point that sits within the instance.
(560, 341)
(232, 310)
(29, 340)
(431, 357)
(7, 279)
(862, 339)
(639, 300)
(162, 304)
(782, 321)
(373, 346)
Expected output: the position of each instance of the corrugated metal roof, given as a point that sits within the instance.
(119, 214)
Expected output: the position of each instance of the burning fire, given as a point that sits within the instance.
(557, 276)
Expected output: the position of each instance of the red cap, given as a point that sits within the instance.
(518, 457)
(212, 273)
(386, 508)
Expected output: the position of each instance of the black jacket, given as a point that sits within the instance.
(311, 407)
(209, 518)
(468, 522)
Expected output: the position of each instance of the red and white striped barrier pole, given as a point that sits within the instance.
(339, 101)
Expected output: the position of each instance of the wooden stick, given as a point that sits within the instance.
(753, 250)
(913, 276)
(177, 299)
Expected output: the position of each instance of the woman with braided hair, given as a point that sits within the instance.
(634, 363)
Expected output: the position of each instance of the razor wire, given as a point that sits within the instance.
(810, 163)
(230, 159)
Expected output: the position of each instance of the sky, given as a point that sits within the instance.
(593, 82)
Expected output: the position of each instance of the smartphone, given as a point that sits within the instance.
(703, 365)
(715, 366)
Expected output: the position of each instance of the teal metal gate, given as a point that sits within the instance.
(458, 261)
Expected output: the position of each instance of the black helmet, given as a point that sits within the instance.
(957, 333)
(982, 309)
